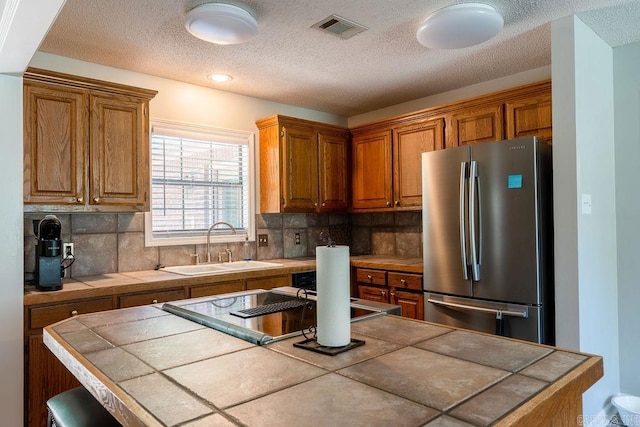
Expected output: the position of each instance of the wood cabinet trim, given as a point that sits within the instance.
(68, 80)
(512, 94)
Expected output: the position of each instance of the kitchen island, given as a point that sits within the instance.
(151, 368)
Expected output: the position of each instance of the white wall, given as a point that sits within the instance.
(11, 252)
(185, 102)
(626, 63)
(502, 83)
(585, 245)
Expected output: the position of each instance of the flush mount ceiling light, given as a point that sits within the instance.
(220, 78)
(460, 25)
(221, 23)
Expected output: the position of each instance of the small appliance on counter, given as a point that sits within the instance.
(48, 274)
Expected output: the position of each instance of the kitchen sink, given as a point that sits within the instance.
(250, 265)
(228, 267)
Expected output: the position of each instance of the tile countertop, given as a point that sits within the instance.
(151, 368)
(147, 280)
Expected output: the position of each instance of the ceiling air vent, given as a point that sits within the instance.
(339, 27)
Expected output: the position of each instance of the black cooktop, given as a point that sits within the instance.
(256, 316)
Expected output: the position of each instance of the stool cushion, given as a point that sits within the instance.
(78, 408)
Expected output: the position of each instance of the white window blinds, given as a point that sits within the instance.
(200, 176)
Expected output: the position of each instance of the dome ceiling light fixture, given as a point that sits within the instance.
(460, 25)
(221, 23)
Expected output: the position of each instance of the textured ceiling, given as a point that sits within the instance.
(291, 63)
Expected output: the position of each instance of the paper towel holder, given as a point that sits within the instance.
(330, 242)
(312, 344)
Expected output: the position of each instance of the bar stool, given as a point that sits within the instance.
(78, 408)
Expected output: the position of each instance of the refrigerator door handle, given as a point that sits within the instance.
(495, 311)
(473, 199)
(463, 227)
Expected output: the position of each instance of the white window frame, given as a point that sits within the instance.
(202, 132)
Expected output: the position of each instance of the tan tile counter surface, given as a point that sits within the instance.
(153, 280)
(150, 368)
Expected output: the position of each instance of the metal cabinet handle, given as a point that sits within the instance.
(96, 199)
(397, 202)
(80, 199)
(74, 313)
(389, 204)
(383, 293)
(315, 204)
(403, 281)
(323, 204)
(369, 277)
(155, 301)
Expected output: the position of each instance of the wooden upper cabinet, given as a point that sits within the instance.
(371, 170)
(119, 151)
(529, 116)
(409, 142)
(54, 145)
(303, 166)
(333, 171)
(299, 169)
(85, 144)
(475, 125)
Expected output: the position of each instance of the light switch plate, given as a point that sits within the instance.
(263, 240)
(586, 204)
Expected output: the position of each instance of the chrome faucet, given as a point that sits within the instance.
(209, 236)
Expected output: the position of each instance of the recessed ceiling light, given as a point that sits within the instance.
(460, 25)
(220, 78)
(221, 23)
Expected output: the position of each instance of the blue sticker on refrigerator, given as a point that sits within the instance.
(515, 181)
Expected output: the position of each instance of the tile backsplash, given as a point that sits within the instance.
(114, 242)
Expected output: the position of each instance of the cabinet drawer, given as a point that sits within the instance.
(150, 298)
(405, 280)
(374, 277)
(39, 317)
(373, 293)
(269, 282)
(217, 288)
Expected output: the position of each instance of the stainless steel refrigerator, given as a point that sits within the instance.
(488, 238)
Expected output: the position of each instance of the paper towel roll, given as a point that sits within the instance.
(333, 293)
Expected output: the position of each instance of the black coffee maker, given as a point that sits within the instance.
(48, 253)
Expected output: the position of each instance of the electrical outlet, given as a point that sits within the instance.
(67, 250)
(297, 238)
(263, 240)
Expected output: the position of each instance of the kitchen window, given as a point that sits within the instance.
(200, 176)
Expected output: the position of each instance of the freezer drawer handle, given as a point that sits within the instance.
(495, 311)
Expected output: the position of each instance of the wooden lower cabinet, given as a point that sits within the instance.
(216, 288)
(269, 282)
(393, 287)
(373, 293)
(412, 303)
(155, 297)
(45, 376)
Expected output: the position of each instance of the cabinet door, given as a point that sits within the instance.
(46, 377)
(530, 116)
(371, 171)
(54, 141)
(372, 293)
(483, 124)
(118, 151)
(412, 303)
(409, 142)
(299, 169)
(334, 171)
